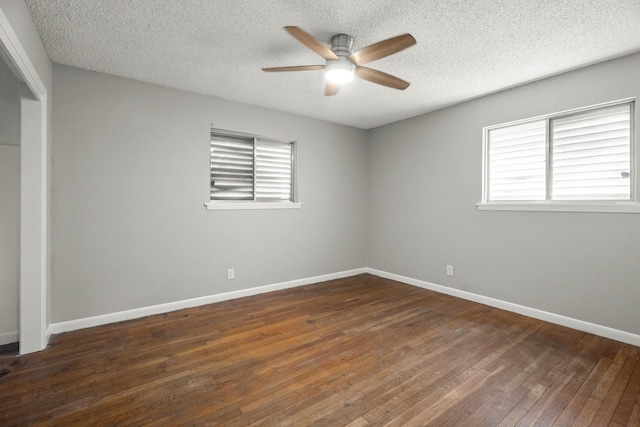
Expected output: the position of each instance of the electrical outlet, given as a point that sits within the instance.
(449, 270)
(231, 274)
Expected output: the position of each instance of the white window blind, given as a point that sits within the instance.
(592, 155)
(231, 168)
(273, 171)
(251, 168)
(584, 155)
(518, 162)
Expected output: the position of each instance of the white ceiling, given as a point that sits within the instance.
(464, 49)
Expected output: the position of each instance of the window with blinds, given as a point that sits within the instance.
(578, 156)
(251, 168)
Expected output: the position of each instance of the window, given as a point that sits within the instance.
(249, 172)
(561, 161)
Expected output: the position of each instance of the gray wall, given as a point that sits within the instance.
(130, 177)
(9, 203)
(9, 107)
(9, 243)
(424, 182)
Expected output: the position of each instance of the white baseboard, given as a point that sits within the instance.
(8, 337)
(88, 322)
(603, 331)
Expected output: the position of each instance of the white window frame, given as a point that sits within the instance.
(626, 206)
(256, 204)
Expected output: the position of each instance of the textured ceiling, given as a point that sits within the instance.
(464, 49)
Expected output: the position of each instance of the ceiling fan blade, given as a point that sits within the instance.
(382, 49)
(295, 68)
(381, 78)
(311, 42)
(331, 89)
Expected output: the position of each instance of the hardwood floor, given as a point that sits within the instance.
(360, 351)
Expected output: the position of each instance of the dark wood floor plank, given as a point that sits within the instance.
(629, 397)
(581, 397)
(520, 385)
(612, 398)
(551, 378)
(511, 416)
(564, 382)
(360, 351)
(603, 387)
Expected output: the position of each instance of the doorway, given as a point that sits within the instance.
(33, 255)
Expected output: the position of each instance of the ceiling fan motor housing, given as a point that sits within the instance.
(341, 44)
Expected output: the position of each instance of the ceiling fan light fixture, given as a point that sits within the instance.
(340, 71)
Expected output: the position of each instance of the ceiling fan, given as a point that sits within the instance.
(342, 64)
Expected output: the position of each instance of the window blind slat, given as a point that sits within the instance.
(594, 143)
(587, 153)
(595, 116)
(611, 167)
(588, 129)
(520, 154)
(505, 149)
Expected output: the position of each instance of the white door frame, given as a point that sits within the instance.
(33, 192)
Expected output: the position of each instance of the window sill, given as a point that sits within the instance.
(215, 206)
(622, 207)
